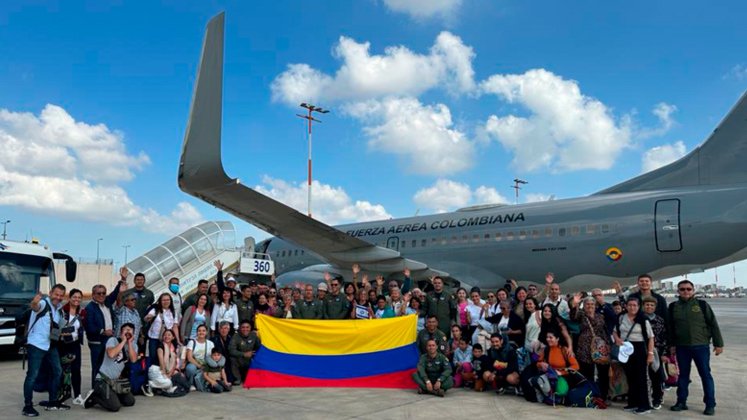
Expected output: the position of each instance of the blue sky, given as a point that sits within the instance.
(446, 104)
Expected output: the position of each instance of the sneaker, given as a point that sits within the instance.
(656, 405)
(440, 392)
(88, 400)
(642, 411)
(44, 403)
(57, 406)
(500, 391)
(519, 392)
(630, 408)
(710, 411)
(79, 400)
(146, 390)
(29, 411)
(679, 407)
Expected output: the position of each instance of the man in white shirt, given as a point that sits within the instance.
(554, 298)
(39, 349)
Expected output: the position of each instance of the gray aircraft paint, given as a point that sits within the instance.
(685, 217)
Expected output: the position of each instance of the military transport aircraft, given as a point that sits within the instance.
(684, 217)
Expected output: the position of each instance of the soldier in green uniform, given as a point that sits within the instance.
(241, 350)
(440, 304)
(245, 305)
(433, 375)
(431, 332)
(336, 305)
(308, 307)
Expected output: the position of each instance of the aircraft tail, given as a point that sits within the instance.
(718, 161)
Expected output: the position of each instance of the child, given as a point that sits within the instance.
(479, 363)
(214, 376)
(462, 361)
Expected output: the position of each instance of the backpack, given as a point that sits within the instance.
(22, 324)
(583, 395)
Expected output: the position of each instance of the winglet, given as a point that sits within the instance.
(200, 164)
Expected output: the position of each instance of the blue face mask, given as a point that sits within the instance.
(174, 288)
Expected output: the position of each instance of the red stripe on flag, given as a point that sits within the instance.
(260, 378)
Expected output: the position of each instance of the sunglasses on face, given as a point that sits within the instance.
(103, 293)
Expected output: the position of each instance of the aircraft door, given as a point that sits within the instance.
(667, 225)
(393, 243)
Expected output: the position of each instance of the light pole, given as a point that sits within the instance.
(125, 248)
(5, 228)
(98, 246)
(516, 187)
(311, 109)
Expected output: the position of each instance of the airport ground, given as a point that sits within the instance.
(729, 371)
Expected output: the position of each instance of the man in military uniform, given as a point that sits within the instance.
(431, 332)
(308, 307)
(245, 304)
(241, 350)
(336, 305)
(433, 375)
(440, 304)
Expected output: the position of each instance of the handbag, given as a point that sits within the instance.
(121, 386)
(600, 351)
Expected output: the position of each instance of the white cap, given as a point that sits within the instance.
(625, 351)
(230, 278)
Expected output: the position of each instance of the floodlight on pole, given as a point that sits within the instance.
(98, 247)
(125, 248)
(5, 228)
(310, 109)
(516, 187)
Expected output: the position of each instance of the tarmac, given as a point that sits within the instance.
(729, 371)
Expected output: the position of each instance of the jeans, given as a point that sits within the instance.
(702, 357)
(36, 357)
(97, 358)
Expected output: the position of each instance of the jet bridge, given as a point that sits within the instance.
(188, 256)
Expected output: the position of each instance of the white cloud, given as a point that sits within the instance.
(663, 112)
(738, 72)
(446, 195)
(52, 164)
(422, 135)
(659, 156)
(565, 131)
(421, 9)
(329, 204)
(362, 76)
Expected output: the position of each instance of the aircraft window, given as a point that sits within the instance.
(522, 234)
(295, 253)
(476, 238)
(282, 254)
(404, 244)
(605, 228)
(424, 242)
(414, 243)
(548, 232)
(591, 229)
(454, 239)
(561, 232)
(497, 236)
(535, 234)
(465, 239)
(443, 240)
(302, 252)
(509, 236)
(487, 236)
(277, 254)
(575, 230)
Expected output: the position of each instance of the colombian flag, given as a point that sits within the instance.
(378, 353)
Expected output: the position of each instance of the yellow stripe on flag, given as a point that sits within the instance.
(336, 337)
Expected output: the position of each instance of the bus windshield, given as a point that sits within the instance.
(20, 275)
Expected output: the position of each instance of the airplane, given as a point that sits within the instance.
(682, 218)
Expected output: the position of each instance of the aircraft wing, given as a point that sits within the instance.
(201, 174)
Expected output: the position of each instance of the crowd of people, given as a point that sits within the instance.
(575, 349)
